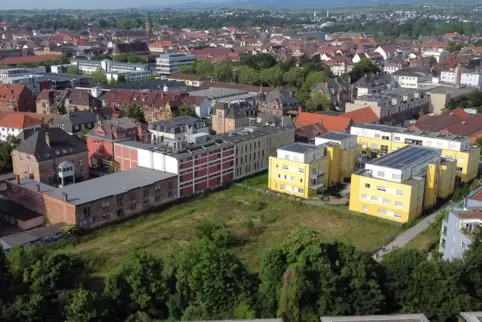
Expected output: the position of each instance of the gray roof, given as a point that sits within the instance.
(371, 81)
(411, 72)
(377, 318)
(406, 157)
(61, 144)
(102, 187)
(300, 147)
(25, 237)
(472, 316)
(76, 119)
(336, 136)
(248, 133)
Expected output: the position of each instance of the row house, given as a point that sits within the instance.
(50, 100)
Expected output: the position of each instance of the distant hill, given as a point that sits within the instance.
(281, 4)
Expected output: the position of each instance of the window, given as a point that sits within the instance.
(120, 201)
(382, 211)
(459, 169)
(385, 137)
(463, 245)
(384, 149)
(397, 216)
(396, 176)
(81, 162)
(301, 170)
(301, 190)
(365, 208)
(400, 192)
(380, 173)
(282, 187)
(386, 201)
(364, 196)
(146, 193)
(169, 194)
(367, 185)
(381, 189)
(285, 167)
(398, 204)
(22, 155)
(442, 243)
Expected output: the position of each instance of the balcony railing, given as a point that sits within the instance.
(316, 174)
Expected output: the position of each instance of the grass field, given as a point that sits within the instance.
(238, 209)
(258, 181)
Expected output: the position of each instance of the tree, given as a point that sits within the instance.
(472, 264)
(203, 67)
(272, 76)
(187, 111)
(84, 306)
(133, 111)
(6, 148)
(72, 70)
(259, 62)
(139, 285)
(83, 132)
(363, 67)
(247, 75)
(223, 71)
(294, 77)
(186, 69)
(121, 79)
(99, 76)
(318, 102)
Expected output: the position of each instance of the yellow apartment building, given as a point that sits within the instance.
(299, 169)
(342, 152)
(400, 185)
(377, 140)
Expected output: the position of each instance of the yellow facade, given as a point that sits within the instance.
(402, 202)
(297, 178)
(467, 161)
(341, 163)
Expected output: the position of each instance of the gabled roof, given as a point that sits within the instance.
(362, 115)
(331, 123)
(18, 121)
(441, 122)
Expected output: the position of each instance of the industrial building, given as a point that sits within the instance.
(400, 185)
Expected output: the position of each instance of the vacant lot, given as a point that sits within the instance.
(262, 221)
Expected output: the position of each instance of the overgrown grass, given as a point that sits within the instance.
(257, 181)
(429, 239)
(260, 222)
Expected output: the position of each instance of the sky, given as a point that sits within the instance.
(84, 4)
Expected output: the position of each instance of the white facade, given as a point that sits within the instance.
(6, 131)
(167, 64)
(109, 67)
(439, 54)
(403, 135)
(129, 76)
(411, 81)
(304, 157)
(391, 68)
(469, 79)
(345, 144)
(157, 160)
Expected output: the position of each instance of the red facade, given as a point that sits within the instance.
(126, 157)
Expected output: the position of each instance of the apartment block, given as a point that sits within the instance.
(299, 169)
(176, 131)
(376, 140)
(460, 226)
(342, 152)
(400, 185)
(254, 145)
(96, 202)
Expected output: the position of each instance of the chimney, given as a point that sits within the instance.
(458, 76)
(65, 197)
(47, 137)
(17, 178)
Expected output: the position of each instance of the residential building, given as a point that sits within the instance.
(278, 102)
(460, 226)
(198, 167)
(99, 201)
(45, 152)
(51, 100)
(394, 105)
(16, 98)
(167, 64)
(377, 140)
(411, 77)
(176, 131)
(387, 51)
(101, 139)
(299, 169)
(439, 55)
(471, 316)
(230, 115)
(74, 122)
(467, 77)
(378, 318)
(443, 95)
(18, 125)
(371, 84)
(391, 67)
(254, 145)
(337, 90)
(400, 185)
(342, 151)
(132, 71)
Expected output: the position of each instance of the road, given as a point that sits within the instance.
(410, 233)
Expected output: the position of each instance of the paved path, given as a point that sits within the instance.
(410, 234)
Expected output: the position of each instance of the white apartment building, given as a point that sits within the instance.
(467, 78)
(167, 64)
(438, 54)
(110, 67)
(135, 75)
(176, 131)
(411, 77)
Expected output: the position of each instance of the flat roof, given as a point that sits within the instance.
(336, 136)
(25, 237)
(472, 316)
(300, 147)
(401, 130)
(405, 157)
(378, 318)
(249, 133)
(94, 189)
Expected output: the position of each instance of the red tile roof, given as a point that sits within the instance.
(310, 131)
(363, 115)
(18, 121)
(441, 122)
(477, 196)
(330, 122)
(29, 59)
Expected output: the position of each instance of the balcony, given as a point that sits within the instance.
(315, 174)
(316, 184)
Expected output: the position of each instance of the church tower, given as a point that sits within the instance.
(148, 27)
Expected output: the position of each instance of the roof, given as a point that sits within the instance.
(9, 91)
(18, 121)
(377, 318)
(300, 147)
(175, 122)
(472, 316)
(470, 214)
(61, 144)
(190, 77)
(331, 123)
(102, 187)
(29, 59)
(336, 136)
(362, 115)
(405, 157)
(77, 118)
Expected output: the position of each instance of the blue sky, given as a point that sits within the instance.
(84, 4)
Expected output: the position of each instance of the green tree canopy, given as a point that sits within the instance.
(133, 111)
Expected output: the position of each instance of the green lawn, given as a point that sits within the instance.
(424, 242)
(237, 208)
(258, 181)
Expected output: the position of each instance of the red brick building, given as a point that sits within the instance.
(16, 98)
